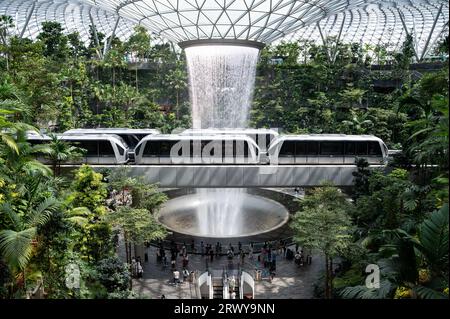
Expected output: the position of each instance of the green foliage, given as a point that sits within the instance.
(139, 225)
(113, 274)
(433, 238)
(90, 190)
(323, 222)
(55, 42)
(352, 277)
(361, 178)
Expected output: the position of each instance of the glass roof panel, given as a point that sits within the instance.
(366, 21)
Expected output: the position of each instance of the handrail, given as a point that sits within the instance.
(211, 290)
(257, 246)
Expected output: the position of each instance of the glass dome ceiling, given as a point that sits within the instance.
(368, 21)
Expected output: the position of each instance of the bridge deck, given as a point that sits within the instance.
(240, 175)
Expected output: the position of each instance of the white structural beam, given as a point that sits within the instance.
(111, 38)
(94, 30)
(425, 49)
(30, 14)
(408, 33)
(338, 40)
(324, 41)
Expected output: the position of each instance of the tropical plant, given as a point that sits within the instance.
(17, 243)
(60, 152)
(323, 224)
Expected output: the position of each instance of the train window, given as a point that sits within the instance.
(203, 145)
(246, 149)
(105, 149)
(141, 136)
(165, 147)
(361, 148)
(131, 140)
(121, 150)
(137, 149)
(194, 149)
(349, 148)
(91, 148)
(288, 148)
(312, 148)
(268, 140)
(374, 148)
(228, 148)
(151, 149)
(36, 142)
(300, 148)
(331, 148)
(240, 148)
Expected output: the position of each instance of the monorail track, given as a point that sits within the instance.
(222, 176)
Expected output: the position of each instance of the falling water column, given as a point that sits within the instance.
(222, 79)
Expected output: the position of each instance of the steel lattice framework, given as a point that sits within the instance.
(367, 21)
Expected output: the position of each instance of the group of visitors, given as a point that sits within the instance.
(268, 258)
(175, 252)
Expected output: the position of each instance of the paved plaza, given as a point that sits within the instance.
(290, 282)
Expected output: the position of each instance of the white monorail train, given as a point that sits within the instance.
(99, 149)
(323, 149)
(262, 137)
(197, 149)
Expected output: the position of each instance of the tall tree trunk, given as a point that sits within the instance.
(327, 276)
(137, 86)
(126, 247)
(129, 249)
(178, 97)
(330, 278)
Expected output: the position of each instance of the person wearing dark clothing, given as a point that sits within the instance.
(202, 248)
(211, 254)
(217, 249)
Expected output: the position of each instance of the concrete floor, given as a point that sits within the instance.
(290, 282)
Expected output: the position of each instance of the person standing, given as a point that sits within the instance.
(185, 274)
(211, 254)
(140, 269)
(176, 277)
(192, 246)
(217, 249)
(134, 271)
(202, 248)
(232, 283)
(242, 255)
(185, 261)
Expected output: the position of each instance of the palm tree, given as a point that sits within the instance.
(18, 242)
(358, 124)
(430, 248)
(430, 138)
(60, 152)
(20, 161)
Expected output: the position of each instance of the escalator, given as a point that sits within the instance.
(217, 288)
